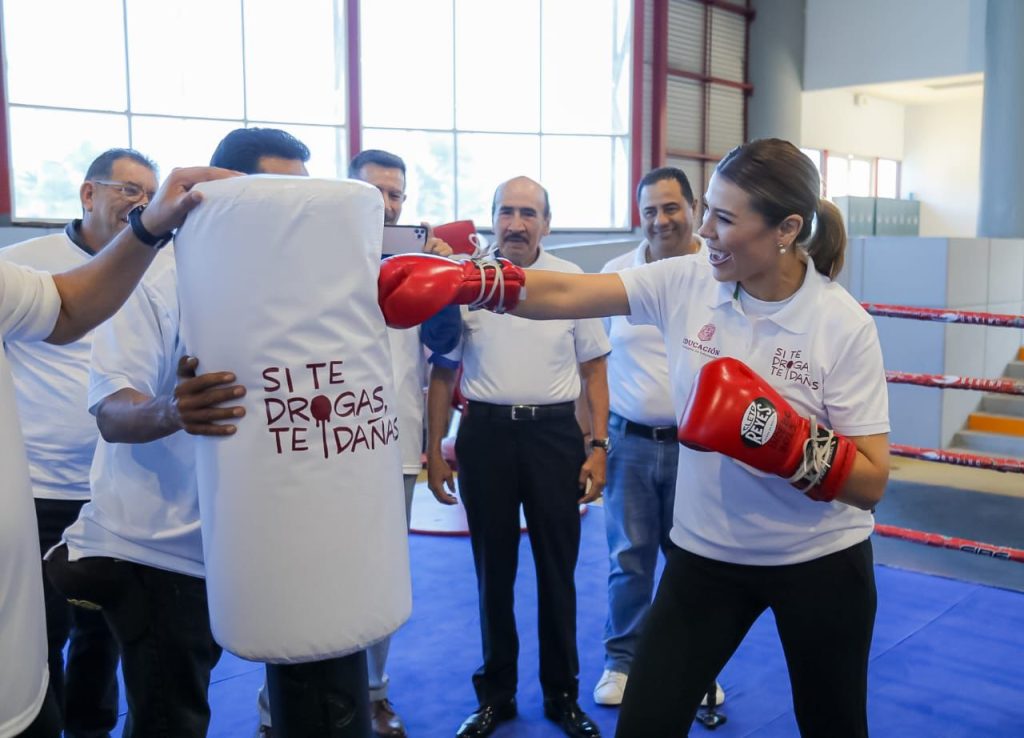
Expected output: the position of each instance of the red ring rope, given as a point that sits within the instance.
(958, 459)
(951, 381)
(944, 316)
(957, 544)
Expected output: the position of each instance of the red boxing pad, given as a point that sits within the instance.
(461, 235)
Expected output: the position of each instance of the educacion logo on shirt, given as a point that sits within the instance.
(701, 345)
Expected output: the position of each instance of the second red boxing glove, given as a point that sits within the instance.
(413, 287)
(735, 412)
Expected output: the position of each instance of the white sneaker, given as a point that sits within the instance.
(610, 687)
(719, 696)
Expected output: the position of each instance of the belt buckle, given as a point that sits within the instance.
(663, 433)
(532, 415)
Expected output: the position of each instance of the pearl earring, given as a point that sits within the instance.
(782, 248)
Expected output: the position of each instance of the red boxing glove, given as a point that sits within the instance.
(735, 412)
(413, 287)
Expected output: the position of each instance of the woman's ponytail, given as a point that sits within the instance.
(827, 245)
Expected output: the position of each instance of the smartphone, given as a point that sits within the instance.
(403, 239)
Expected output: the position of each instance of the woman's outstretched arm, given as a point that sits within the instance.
(564, 295)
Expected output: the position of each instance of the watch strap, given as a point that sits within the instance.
(142, 233)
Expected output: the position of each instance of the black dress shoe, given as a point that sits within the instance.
(565, 711)
(483, 722)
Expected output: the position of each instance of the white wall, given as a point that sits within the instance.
(942, 165)
(868, 41)
(831, 120)
(939, 144)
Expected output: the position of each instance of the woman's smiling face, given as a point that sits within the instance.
(742, 246)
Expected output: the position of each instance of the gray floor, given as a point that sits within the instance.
(989, 518)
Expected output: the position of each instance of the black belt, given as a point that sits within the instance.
(660, 433)
(521, 412)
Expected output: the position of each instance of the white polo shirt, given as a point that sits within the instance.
(820, 351)
(507, 360)
(51, 384)
(29, 306)
(409, 366)
(145, 506)
(638, 366)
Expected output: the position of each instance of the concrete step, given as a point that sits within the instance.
(1008, 425)
(1003, 404)
(988, 444)
(1015, 369)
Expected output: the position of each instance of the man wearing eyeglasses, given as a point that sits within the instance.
(60, 435)
(136, 548)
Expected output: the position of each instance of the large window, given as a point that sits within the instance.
(469, 92)
(472, 92)
(845, 175)
(168, 79)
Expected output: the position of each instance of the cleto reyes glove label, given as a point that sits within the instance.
(759, 423)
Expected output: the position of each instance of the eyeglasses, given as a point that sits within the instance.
(129, 189)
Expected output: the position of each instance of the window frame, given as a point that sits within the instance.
(352, 125)
(703, 156)
(873, 161)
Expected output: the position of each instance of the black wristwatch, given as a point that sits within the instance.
(605, 443)
(143, 234)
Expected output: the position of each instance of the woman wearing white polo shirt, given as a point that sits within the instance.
(744, 539)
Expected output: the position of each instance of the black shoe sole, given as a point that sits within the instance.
(556, 718)
(502, 713)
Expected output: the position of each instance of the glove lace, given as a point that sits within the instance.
(487, 292)
(817, 457)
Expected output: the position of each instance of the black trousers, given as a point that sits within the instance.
(320, 699)
(502, 463)
(162, 623)
(85, 690)
(825, 614)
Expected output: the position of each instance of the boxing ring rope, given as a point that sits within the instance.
(957, 458)
(949, 381)
(957, 544)
(944, 316)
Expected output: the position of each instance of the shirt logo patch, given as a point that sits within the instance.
(759, 423)
(701, 346)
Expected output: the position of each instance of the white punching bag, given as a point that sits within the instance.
(302, 509)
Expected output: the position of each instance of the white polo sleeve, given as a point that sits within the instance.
(29, 303)
(855, 391)
(646, 286)
(129, 350)
(590, 339)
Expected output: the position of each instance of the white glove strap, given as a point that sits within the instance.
(817, 457)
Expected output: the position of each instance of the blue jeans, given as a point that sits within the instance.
(638, 505)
